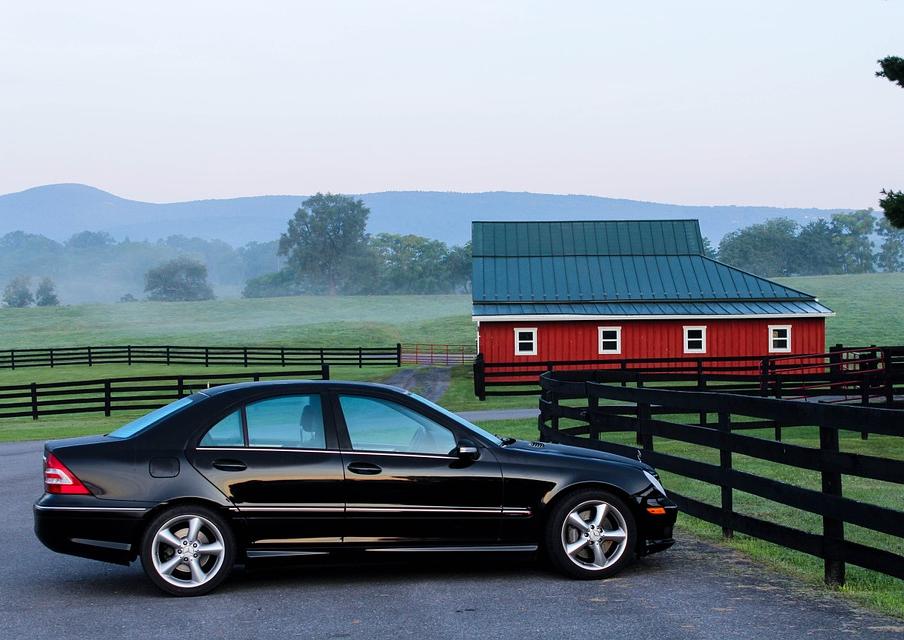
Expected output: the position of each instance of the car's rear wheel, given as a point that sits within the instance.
(590, 535)
(188, 551)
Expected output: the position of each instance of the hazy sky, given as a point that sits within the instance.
(721, 102)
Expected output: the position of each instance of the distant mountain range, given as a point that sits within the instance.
(59, 210)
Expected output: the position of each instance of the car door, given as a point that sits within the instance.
(277, 459)
(404, 482)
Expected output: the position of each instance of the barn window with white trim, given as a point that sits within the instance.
(694, 339)
(609, 340)
(525, 341)
(780, 338)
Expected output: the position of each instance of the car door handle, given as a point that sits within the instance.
(230, 465)
(365, 468)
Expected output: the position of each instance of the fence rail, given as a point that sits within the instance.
(850, 373)
(610, 407)
(106, 395)
(440, 354)
(206, 356)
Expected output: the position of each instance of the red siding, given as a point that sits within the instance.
(577, 340)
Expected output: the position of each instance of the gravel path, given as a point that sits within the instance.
(430, 382)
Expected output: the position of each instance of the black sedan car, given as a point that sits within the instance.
(289, 469)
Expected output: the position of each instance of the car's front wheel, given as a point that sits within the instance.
(591, 534)
(187, 551)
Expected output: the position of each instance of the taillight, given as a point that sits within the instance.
(59, 479)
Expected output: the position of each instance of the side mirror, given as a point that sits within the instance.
(467, 450)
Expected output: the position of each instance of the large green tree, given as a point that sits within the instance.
(18, 293)
(815, 252)
(851, 236)
(766, 249)
(326, 243)
(181, 279)
(45, 295)
(892, 202)
(891, 253)
(411, 264)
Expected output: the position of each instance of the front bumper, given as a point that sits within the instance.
(656, 523)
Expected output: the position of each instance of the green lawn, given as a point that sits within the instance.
(868, 587)
(866, 305)
(300, 321)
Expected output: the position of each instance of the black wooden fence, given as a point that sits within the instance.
(206, 356)
(635, 411)
(106, 395)
(849, 373)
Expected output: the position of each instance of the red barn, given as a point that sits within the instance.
(626, 289)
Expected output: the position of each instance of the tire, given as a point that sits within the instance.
(600, 547)
(173, 555)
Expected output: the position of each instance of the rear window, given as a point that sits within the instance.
(140, 424)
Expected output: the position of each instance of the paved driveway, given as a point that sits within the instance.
(693, 591)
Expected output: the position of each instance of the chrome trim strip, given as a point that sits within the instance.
(283, 509)
(487, 510)
(504, 548)
(399, 454)
(349, 452)
(267, 553)
(283, 449)
(41, 507)
(103, 544)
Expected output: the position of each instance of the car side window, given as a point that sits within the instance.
(375, 424)
(226, 433)
(286, 421)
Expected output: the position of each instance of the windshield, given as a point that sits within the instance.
(145, 421)
(473, 427)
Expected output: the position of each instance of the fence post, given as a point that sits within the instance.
(206, 356)
(51, 357)
(398, 354)
(245, 357)
(12, 358)
(90, 360)
(480, 389)
(256, 377)
(888, 384)
(832, 528)
(324, 372)
(725, 464)
(129, 354)
(108, 399)
(764, 377)
(34, 401)
(638, 438)
(167, 355)
(644, 435)
(322, 361)
(593, 403)
(282, 356)
(360, 358)
(778, 425)
(701, 386)
(180, 384)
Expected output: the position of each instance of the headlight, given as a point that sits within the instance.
(655, 482)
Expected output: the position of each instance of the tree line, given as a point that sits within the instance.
(327, 250)
(856, 242)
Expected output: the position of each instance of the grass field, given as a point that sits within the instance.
(301, 321)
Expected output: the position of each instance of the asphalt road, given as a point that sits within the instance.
(692, 591)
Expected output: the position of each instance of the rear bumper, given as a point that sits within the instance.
(101, 532)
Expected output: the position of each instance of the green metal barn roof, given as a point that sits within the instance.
(616, 268)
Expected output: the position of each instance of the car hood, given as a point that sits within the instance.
(564, 450)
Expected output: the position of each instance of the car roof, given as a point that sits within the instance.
(307, 384)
